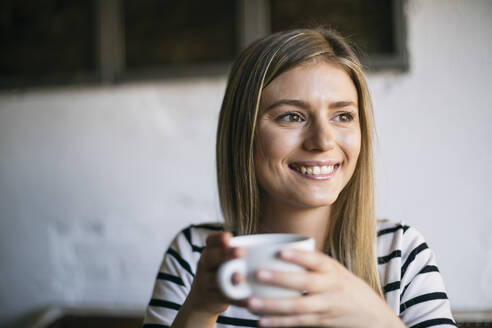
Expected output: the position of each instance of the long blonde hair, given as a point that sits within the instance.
(352, 231)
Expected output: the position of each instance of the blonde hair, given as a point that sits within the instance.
(352, 231)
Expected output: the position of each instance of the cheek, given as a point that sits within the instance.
(274, 145)
(350, 142)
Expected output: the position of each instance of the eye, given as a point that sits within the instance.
(291, 117)
(344, 117)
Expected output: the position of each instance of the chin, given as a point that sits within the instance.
(316, 202)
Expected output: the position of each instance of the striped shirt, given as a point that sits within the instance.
(412, 284)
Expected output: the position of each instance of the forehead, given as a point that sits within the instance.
(317, 80)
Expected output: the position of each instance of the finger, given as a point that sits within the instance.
(301, 281)
(237, 278)
(239, 303)
(285, 306)
(303, 320)
(218, 239)
(212, 284)
(312, 261)
(214, 256)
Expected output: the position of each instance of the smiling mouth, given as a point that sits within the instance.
(315, 170)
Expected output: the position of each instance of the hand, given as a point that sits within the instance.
(205, 296)
(334, 297)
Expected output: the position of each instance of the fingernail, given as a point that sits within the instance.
(255, 303)
(264, 274)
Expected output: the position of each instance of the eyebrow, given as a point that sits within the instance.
(305, 105)
(290, 102)
(343, 103)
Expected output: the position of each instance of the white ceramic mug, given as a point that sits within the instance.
(261, 252)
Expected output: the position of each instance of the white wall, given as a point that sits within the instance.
(94, 181)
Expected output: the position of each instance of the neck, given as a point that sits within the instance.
(310, 222)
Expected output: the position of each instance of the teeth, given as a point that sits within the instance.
(316, 170)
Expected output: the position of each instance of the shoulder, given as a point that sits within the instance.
(399, 236)
(409, 275)
(423, 297)
(385, 227)
(402, 241)
(401, 254)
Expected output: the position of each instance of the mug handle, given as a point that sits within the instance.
(224, 279)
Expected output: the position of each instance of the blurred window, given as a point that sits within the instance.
(46, 41)
(374, 26)
(176, 32)
(70, 41)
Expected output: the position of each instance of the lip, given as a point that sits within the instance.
(313, 163)
(318, 177)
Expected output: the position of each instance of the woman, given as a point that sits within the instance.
(294, 154)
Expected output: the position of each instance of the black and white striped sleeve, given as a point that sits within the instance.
(173, 282)
(423, 299)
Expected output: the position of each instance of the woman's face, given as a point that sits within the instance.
(308, 136)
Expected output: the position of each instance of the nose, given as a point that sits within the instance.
(319, 136)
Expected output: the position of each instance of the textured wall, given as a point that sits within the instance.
(95, 181)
